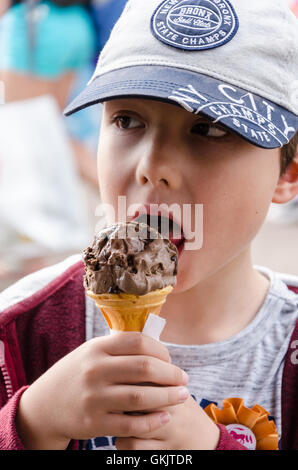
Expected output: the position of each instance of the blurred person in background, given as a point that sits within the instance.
(84, 126)
(4, 5)
(40, 55)
(44, 45)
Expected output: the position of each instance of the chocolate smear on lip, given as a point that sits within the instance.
(141, 262)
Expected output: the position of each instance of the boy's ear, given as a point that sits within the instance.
(287, 186)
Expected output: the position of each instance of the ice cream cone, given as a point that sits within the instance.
(128, 312)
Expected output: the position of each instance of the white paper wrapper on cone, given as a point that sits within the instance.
(153, 327)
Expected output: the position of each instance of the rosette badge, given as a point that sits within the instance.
(195, 24)
(251, 427)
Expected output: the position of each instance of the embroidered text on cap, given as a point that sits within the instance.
(195, 24)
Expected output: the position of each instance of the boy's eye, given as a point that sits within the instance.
(208, 130)
(126, 122)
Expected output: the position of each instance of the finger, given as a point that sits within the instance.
(123, 425)
(131, 443)
(140, 369)
(141, 398)
(134, 343)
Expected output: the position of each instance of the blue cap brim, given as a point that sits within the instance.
(258, 120)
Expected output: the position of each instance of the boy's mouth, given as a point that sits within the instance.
(165, 224)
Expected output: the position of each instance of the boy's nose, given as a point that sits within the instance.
(158, 166)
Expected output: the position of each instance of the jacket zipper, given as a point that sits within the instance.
(4, 370)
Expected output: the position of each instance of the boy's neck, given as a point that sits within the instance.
(217, 308)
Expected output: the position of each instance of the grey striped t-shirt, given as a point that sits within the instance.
(249, 365)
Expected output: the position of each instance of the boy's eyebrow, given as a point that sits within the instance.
(133, 106)
(204, 118)
(197, 118)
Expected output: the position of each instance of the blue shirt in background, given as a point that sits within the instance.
(63, 39)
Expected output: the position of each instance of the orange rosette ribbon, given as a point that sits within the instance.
(249, 426)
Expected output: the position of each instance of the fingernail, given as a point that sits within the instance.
(183, 394)
(184, 377)
(165, 418)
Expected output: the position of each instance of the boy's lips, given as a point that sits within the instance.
(179, 246)
(160, 214)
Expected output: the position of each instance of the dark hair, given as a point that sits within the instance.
(288, 153)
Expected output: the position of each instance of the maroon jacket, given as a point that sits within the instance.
(39, 329)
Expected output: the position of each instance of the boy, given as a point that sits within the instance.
(198, 100)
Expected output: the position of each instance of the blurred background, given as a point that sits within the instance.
(48, 176)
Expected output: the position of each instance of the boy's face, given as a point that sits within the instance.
(154, 152)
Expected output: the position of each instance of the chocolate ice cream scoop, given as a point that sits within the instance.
(132, 258)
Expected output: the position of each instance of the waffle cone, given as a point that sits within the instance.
(128, 312)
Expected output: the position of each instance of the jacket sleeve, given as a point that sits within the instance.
(289, 435)
(9, 439)
(226, 441)
(34, 312)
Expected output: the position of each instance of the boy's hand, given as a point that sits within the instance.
(188, 429)
(85, 394)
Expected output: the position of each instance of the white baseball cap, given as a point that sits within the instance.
(234, 61)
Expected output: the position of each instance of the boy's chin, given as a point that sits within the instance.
(186, 277)
(182, 286)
